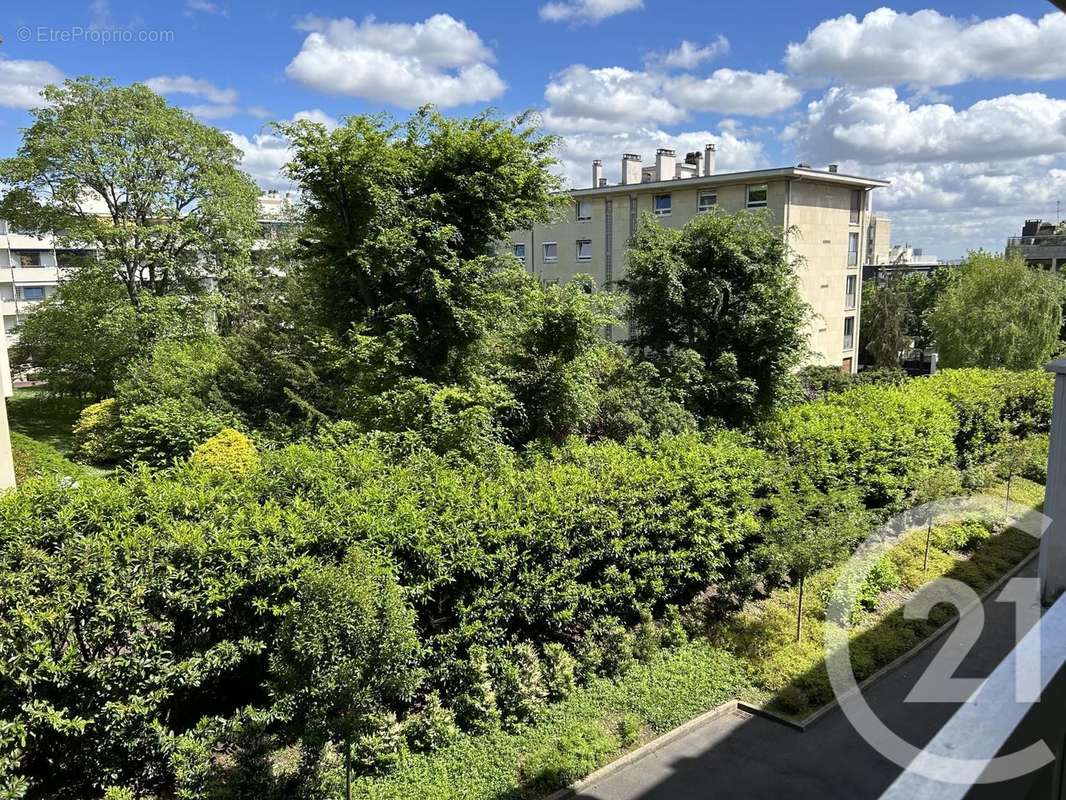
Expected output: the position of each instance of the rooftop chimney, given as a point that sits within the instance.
(833, 168)
(597, 173)
(630, 168)
(709, 155)
(664, 164)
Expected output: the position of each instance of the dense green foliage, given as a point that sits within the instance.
(999, 313)
(155, 620)
(34, 459)
(716, 307)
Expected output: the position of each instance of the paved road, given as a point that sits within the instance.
(739, 756)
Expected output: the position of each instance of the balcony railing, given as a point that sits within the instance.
(1050, 240)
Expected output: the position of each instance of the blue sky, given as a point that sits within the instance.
(961, 105)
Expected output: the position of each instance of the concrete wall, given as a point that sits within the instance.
(819, 212)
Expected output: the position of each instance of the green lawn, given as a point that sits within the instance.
(572, 738)
(45, 419)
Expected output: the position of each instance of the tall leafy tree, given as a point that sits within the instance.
(999, 313)
(157, 194)
(886, 317)
(716, 307)
(401, 221)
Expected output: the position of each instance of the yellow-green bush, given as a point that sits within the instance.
(228, 452)
(94, 432)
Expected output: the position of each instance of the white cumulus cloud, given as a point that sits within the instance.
(731, 91)
(21, 81)
(580, 98)
(689, 55)
(185, 84)
(437, 61)
(929, 48)
(876, 127)
(587, 10)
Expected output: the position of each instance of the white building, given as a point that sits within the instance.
(32, 267)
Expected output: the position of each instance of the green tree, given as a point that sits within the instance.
(812, 530)
(886, 318)
(80, 340)
(715, 306)
(347, 654)
(400, 222)
(999, 313)
(157, 194)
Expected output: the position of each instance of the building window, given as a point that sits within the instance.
(856, 206)
(28, 258)
(33, 293)
(519, 251)
(584, 249)
(663, 204)
(757, 196)
(707, 201)
(849, 333)
(853, 249)
(551, 252)
(584, 210)
(850, 291)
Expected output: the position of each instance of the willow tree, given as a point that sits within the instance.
(999, 312)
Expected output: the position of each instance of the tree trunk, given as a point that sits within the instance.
(799, 611)
(1010, 479)
(928, 539)
(348, 769)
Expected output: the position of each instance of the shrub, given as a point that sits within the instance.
(431, 727)
(95, 431)
(575, 754)
(380, 747)
(559, 671)
(963, 535)
(792, 700)
(876, 439)
(646, 640)
(160, 433)
(476, 705)
(229, 452)
(628, 729)
(673, 633)
(519, 683)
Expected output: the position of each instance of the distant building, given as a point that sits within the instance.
(32, 267)
(902, 260)
(828, 211)
(7, 464)
(1042, 244)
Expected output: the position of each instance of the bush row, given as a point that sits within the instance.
(151, 623)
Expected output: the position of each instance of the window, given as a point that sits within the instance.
(707, 201)
(551, 252)
(849, 333)
(856, 206)
(853, 249)
(584, 249)
(663, 204)
(757, 196)
(584, 210)
(28, 258)
(519, 251)
(850, 288)
(33, 293)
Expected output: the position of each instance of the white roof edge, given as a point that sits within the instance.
(739, 177)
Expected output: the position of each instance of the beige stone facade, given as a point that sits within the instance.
(826, 213)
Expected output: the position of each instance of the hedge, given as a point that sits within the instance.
(141, 615)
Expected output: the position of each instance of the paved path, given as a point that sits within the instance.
(740, 756)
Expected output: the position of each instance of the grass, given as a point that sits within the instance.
(590, 728)
(34, 459)
(50, 420)
(790, 677)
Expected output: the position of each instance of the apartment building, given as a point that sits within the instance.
(32, 267)
(1042, 244)
(826, 211)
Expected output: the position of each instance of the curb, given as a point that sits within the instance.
(642, 752)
